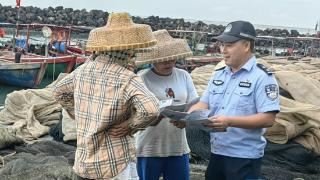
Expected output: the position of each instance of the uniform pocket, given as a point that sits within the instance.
(243, 91)
(215, 97)
(244, 98)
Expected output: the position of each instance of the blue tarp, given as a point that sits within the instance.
(21, 43)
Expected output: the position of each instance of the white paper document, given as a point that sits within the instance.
(196, 119)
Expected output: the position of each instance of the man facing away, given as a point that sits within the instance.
(243, 98)
(108, 99)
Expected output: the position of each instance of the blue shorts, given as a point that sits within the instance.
(171, 168)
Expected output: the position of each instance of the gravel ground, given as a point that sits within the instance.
(197, 171)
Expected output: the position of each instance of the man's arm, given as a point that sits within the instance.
(198, 105)
(63, 93)
(260, 120)
(145, 103)
(146, 107)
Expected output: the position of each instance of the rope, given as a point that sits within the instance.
(2, 158)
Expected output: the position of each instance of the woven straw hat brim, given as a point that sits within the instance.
(133, 37)
(164, 59)
(174, 49)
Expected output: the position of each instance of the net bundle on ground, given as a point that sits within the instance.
(48, 160)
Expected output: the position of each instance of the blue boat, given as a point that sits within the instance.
(25, 74)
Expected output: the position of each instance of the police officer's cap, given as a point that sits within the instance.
(237, 30)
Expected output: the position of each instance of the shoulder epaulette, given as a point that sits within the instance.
(265, 69)
(222, 68)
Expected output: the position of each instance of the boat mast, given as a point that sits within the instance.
(272, 48)
(312, 50)
(28, 37)
(15, 34)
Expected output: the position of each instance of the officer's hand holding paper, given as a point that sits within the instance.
(218, 123)
(197, 119)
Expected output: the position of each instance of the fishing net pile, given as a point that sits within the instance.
(49, 160)
(289, 161)
(28, 115)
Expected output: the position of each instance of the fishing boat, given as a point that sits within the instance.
(55, 65)
(288, 46)
(190, 63)
(59, 38)
(27, 74)
(60, 55)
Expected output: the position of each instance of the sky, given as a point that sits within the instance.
(288, 13)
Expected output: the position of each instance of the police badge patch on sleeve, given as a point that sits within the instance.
(272, 91)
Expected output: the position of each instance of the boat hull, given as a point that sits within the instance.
(56, 65)
(27, 75)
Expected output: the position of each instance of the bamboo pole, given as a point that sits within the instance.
(15, 34)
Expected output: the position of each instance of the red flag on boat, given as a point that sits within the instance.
(18, 3)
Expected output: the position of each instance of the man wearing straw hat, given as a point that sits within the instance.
(163, 149)
(109, 101)
(244, 99)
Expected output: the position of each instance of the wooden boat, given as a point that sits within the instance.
(77, 50)
(27, 74)
(64, 59)
(55, 65)
(196, 61)
(203, 60)
(59, 40)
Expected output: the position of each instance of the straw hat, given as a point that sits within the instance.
(120, 33)
(167, 49)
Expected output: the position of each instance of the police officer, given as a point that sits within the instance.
(244, 99)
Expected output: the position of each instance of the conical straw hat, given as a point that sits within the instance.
(166, 49)
(120, 33)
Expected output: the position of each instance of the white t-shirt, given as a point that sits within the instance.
(165, 139)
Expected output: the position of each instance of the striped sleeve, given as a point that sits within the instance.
(145, 103)
(63, 92)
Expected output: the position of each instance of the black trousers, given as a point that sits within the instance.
(231, 168)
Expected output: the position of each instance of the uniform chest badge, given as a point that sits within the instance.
(272, 91)
(217, 82)
(245, 84)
